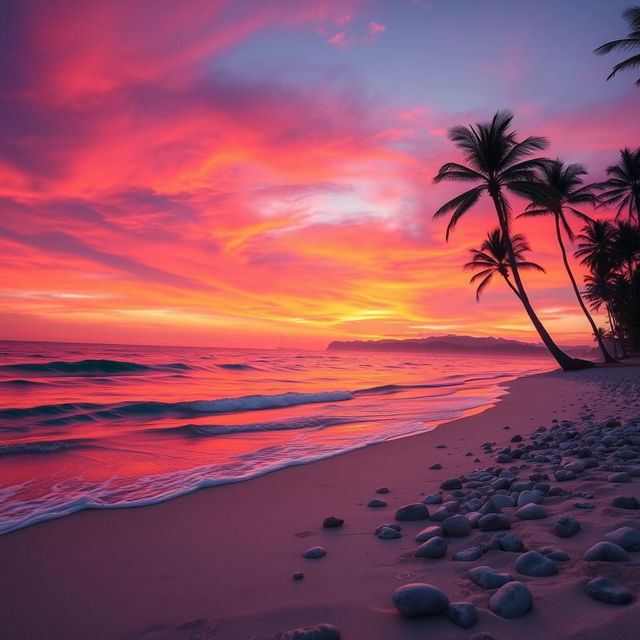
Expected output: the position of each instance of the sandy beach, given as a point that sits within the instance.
(219, 563)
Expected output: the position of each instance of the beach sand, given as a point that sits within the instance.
(218, 563)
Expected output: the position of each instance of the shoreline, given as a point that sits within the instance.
(218, 563)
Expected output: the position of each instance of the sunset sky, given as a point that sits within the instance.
(258, 173)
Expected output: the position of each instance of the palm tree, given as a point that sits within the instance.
(597, 247)
(498, 162)
(563, 189)
(623, 188)
(630, 43)
(492, 259)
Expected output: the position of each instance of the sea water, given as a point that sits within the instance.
(105, 426)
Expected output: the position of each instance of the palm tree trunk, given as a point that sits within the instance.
(506, 279)
(596, 333)
(567, 363)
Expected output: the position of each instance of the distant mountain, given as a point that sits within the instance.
(457, 344)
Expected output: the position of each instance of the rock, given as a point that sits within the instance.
(512, 600)
(415, 511)
(464, 614)
(332, 522)
(420, 599)
(626, 502)
(386, 532)
(483, 635)
(608, 591)
(566, 527)
(468, 555)
(456, 526)
(441, 446)
(529, 497)
(626, 537)
(531, 512)
(555, 554)
(383, 490)
(607, 551)
(428, 532)
(376, 504)
(488, 578)
(436, 466)
(535, 564)
(619, 477)
(494, 522)
(501, 501)
(516, 438)
(432, 548)
(319, 632)
(314, 553)
(562, 475)
(612, 423)
(584, 505)
(451, 483)
(298, 575)
(434, 498)
(508, 542)
(440, 515)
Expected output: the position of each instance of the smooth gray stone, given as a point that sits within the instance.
(584, 505)
(386, 532)
(332, 522)
(440, 515)
(531, 512)
(415, 511)
(530, 497)
(434, 498)
(420, 599)
(456, 526)
(626, 537)
(427, 533)
(468, 555)
(436, 466)
(464, 614)
(383, 490)
(298, 575)
(555, 554)
(501, 501)
(608, 591)
(488, 578)
(432, 548)
(474, 504)
(535, 564)
(626, 502)
(451, 483)
(494, 522)
(566, 527)
(562, 475)
(483, 635)
(314, 552)
(474, 517)
(319, 632)
(607, 551)
(512, 600)
(376, 503)
(508, 542)
(619, 477)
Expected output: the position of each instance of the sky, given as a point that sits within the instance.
(259, 173)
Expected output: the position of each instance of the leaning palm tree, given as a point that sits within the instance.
(498, 162)
(623, 188)
(630, 43)
(597, 247)
(564, 189)
(492, 259)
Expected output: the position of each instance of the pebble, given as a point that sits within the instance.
(451, 483)
(383, 490)
(332, 522)
(415, 511)
(555, 554)
(464, 614)
(420, 599)
(531, 512)
(488, 578)
(314, 553)
(468, 555)
(535, 564)
(626, 537)
(528, 497)
(387, 532)
(432, 548)
(428, 532)
(566, 527)
(436, 466)
(608, 591)
(376, 503)
(512, 600)
(434, 498)
(298, 575)
(456, 526)
(494, 522)
(619, 477)
(626, 502)
(607, 551)
(483, 635)
(319, 632)
(584, 505)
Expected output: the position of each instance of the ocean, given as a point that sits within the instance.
(107, 426)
